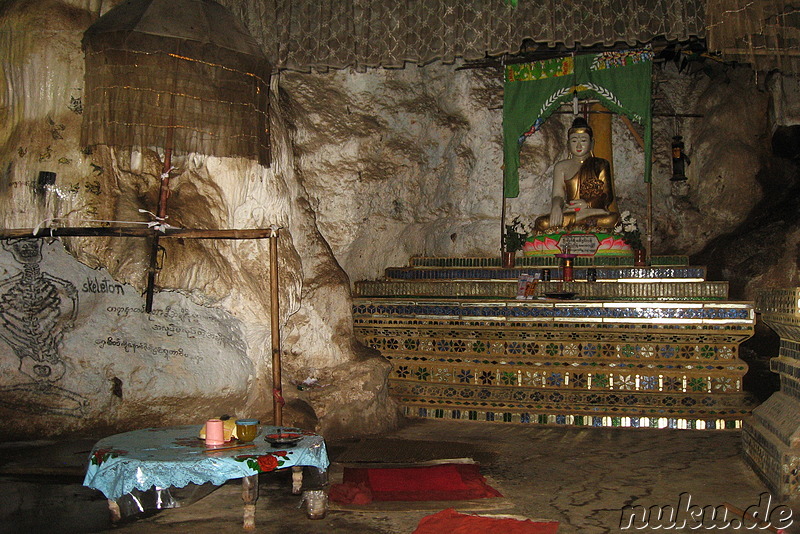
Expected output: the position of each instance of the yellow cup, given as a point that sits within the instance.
(246, 429)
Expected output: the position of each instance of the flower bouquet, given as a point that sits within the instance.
(515, 236)
(628, 229)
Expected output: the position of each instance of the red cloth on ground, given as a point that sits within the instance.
(350, 493)
(452, 522)
(447, 482)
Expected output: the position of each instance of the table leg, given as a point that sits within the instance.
(297, 479)
(113, 509)
(250, 496)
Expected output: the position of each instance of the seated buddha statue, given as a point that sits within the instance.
(583, 193)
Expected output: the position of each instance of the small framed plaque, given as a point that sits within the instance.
(579, 244)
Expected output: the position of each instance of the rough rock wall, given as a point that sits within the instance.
(42, 80)
(396, 162)
(763, 251)
(408, 162)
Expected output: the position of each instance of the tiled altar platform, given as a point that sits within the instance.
(771, 438)
(641, 347)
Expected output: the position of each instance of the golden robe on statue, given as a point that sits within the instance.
(592, 184)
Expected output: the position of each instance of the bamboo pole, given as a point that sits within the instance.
(132, 231)
(277, 391)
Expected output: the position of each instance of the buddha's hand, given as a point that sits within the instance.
(576, 205)
(556, 216)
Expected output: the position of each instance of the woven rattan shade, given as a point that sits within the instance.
(181, 66)
(301, 34)
(763, 33)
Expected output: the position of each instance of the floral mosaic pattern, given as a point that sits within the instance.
(552, 349)
(593, 378)
(517, 364)
(624, 402)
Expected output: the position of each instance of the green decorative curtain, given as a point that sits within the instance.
(621, 80)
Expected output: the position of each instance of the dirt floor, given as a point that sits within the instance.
(579, 477)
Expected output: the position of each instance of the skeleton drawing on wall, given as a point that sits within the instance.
(36, 308)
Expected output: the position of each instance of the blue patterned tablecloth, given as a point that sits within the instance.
(175, 456)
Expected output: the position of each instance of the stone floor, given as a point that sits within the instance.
(580, 477)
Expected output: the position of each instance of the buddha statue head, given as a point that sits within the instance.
(580, 139)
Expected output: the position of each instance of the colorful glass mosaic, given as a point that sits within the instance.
(656, 261)
(649, 362)
(507, 289)
(529, 417)
(770, 437)
(482, 273)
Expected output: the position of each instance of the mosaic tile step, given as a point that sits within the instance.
(783, 303)
(789, 349)
(771, 439)
(776, 464)
(783, 325)
(678, 273)
(721, 313)
(507, 289)
(546, 329)
(642, 403)
(577, 403)
(499, 339)
(780, 414)
(788, 367)
(544, 418)
(598, 377)
(567, 372)
(425, 261)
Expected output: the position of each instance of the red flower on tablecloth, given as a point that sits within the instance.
(265, 462)
(101, 455)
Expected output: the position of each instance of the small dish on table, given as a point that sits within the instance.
(283, 439)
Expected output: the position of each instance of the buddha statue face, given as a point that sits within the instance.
(579, 144)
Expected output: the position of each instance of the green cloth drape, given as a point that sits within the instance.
(621, 80)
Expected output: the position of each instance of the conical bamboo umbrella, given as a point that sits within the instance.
(183, 75)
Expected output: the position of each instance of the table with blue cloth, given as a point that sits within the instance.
(176, 456)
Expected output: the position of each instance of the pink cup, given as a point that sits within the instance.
(214, 432)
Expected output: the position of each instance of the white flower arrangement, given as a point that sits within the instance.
(628, 228)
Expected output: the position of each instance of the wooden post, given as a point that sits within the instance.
(649, 240)
(277, 391)
(503, 222)
(163, 194)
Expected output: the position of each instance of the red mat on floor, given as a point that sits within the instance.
(452, 522)
(447, 482)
